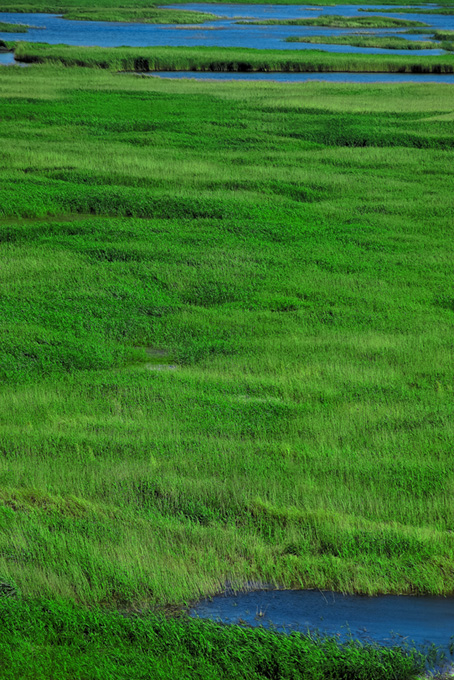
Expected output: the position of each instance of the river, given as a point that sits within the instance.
(385, 619)
(307, 77)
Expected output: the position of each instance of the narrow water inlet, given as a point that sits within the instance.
(303, 77)
(6, 58)
(417, 621)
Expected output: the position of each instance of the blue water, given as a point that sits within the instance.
(386, 619)
(306, 77)
(51, 28)
(6, 58)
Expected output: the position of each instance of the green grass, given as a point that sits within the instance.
(288, 248)
(40, 637)
(227, 59)
(144, 16)
(13, 28)
(338, 21)
(443, 35)
(425, 31)
(389, 43)
(448, 10)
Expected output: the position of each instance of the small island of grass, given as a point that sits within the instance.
(13, 28)
(141, 16)
(443, 35)
(228, 59)
(386, 43)
(338, 21)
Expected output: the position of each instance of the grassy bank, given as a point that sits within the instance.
(443, 35)
(338, 21)
(226, 336)
(227, 59)
(13, 28)
(82, 644)
(447, 10)
(388, 43)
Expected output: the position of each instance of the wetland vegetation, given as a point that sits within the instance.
(63, 7)
(229, 59)
(142, 15)
(339, 21)
(443, 35)
(446, 10)
(384, 42)
(82, 643)
(436, 34)
(143, 11)
(287, 251)
(288, 248)
(13, 28)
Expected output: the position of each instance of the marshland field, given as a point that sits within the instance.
(226, 355)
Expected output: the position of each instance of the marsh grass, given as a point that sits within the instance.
(13, 28)
(144, 16)
(443, 35)
(338, 21)
(81, 5)
(388, 42)
(290, 249)
(447, 9)
(227, 59)
(131, 647)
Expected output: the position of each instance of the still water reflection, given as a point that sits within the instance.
(306, 77)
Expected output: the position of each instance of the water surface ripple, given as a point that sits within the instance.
(385, 619)
(53, 29)
(307, 77)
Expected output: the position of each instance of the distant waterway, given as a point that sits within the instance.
(6, 58)
(53, 29)
(307, 77)
(261, 12)
(385, 619)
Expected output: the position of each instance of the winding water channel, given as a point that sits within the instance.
(307, 77)
(385, 619)
(225, 32)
